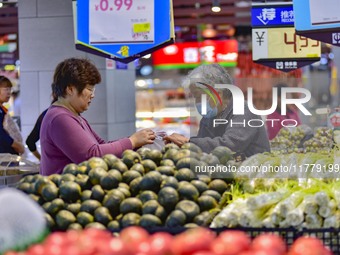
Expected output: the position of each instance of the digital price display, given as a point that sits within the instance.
(121, 21)
(283, 43)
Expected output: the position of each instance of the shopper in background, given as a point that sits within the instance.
(273, 127)
(9, 142)
(239, 138)
(65, 136)
(34, 136)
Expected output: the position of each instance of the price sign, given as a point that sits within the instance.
(319, 20)
(121, 21)
(283, 43)
(123, 30)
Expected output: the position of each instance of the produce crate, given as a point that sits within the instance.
(13, 168)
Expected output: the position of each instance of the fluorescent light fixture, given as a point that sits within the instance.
(216, 6)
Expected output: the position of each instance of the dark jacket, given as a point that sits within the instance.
(34, 136)
(247, 140)
(5, 140)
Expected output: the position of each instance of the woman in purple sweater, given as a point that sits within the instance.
(65, 136)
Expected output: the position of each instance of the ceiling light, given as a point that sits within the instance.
(216, 6)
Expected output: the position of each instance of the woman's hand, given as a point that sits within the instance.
(176, 139)
(18, 147)
(36, 154)
(142, 137)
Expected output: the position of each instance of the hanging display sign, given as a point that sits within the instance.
(278, 46)
(192, 54)
(123, 30)
(319, 20)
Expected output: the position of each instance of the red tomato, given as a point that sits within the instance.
(134, 235)
(193, 240)
(72, 250)
(231, 243)
(266, 252)
(96, 234)
(54, 249)
(143, 247)
(261, 252)
(36, 249)
(247, 253)
(160, 244)
(269, 242)
(56, 238)
(204, 253)
(72, 236)
(308, 245)
(115, 247)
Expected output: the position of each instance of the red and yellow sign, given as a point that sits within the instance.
(192, 54)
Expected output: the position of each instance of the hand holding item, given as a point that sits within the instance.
(176, 139)
(142, 137)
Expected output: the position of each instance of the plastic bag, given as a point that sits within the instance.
(157, 145)
(12, 128)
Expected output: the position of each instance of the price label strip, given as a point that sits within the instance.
(121, 21)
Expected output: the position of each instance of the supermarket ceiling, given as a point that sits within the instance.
(190, 16)
(187, 13)
(197, 12)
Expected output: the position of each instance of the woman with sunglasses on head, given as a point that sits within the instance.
(65, 136)
(7, 143)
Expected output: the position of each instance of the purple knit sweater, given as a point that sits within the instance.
(66, 138)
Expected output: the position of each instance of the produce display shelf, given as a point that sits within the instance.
(13, 168)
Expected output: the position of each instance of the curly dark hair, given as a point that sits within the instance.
(77, 72)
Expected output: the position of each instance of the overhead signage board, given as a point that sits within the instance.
(123, 30)
(192, 54)
(272, 16)
(278, 46)
(319, 20)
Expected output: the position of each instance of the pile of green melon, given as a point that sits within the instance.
(149, 188)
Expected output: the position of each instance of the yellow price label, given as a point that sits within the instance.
(141, 27)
